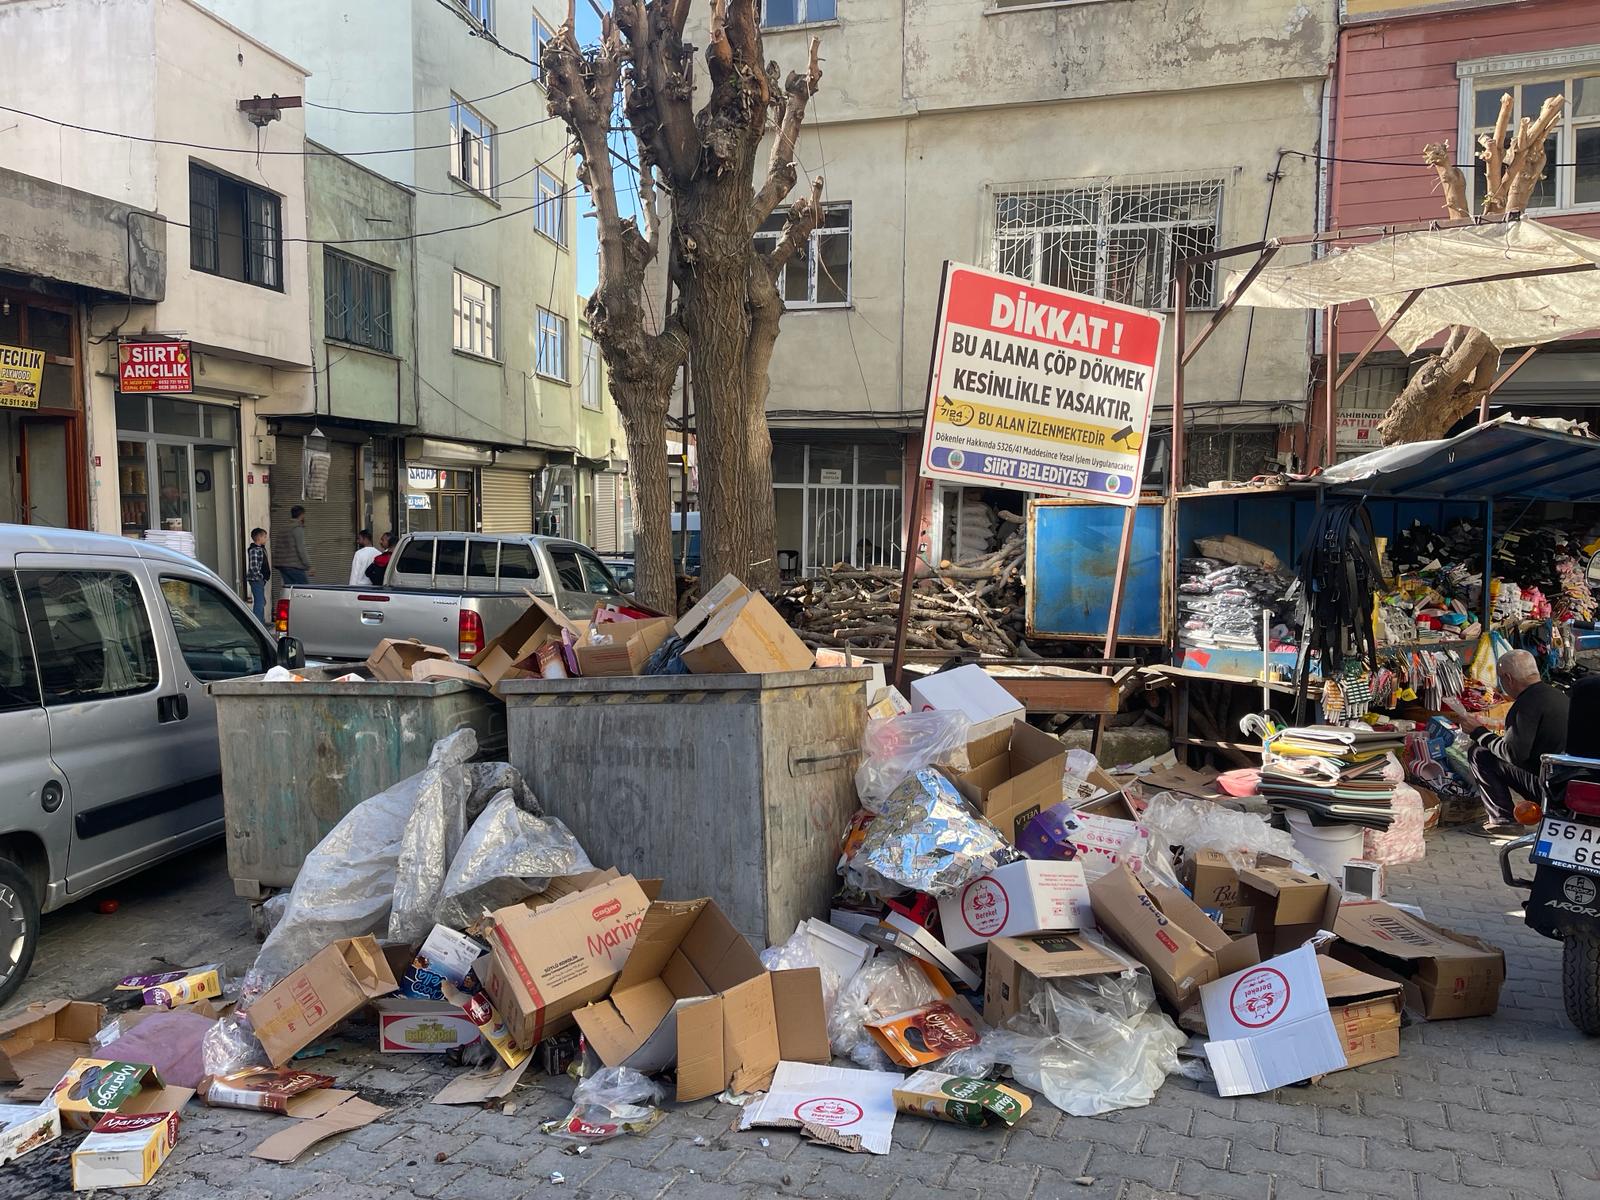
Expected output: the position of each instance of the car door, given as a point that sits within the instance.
(115, 711)
(32, 788)
(571, 587)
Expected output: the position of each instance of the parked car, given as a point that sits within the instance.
(455, 590)
(106, 647)
(622, 571)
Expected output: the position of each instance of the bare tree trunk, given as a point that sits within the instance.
(655, 571)
(1432, 402)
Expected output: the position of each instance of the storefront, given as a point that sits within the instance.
(43, 473)
(838, 502)
(344, 480)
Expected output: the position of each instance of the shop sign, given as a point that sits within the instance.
(1039, 389)
(421, 477)
(21, 374)
(154, 367)
(1357, 431)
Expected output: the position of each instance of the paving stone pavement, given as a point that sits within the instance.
(1507, 1106)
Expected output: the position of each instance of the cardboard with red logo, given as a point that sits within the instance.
(1015, 775)
(1446, 974)
(312, 999)
(545, 962)
(124, 1150)
(1016, 965)
(1031, 896)
(1366, 1011)
(408, 1026)
(1287, 906)
(841, 1107)
(1270, 1026)
(1168, 933)
(694, 992)
(393, 659)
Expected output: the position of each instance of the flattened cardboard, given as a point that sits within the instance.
(632, 643)
(747, 636)
(40, 1043)
(312, 999)
(494, 1082)
(1454, 975)
(430, 670)
(288, 1144)
(728, 590)
(841, 1107)
(972, 690)
(1014, 962)
(1269, 1025)
(538, 624)
(1287, 906)
(394, 658)
(1031, 896)
(1365, 1009)
(1015, 775)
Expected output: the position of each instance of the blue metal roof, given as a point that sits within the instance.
(1495, 461)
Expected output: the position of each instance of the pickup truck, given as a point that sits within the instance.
(456, 590)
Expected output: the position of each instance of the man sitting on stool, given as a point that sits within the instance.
(1535, 726)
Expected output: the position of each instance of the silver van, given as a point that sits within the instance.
(109, 759)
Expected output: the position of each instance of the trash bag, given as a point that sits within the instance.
(1403, 841)
(926, 839)
(896, 747)
(508, 855)
(607, 1104)
(668, 658)
(886, 984)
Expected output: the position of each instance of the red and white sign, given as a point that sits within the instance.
(1039, 389)
(985, 906)
(1269, 1025)
(154, 367)
(1259, 997)
(833, 1111)
(858, 1105)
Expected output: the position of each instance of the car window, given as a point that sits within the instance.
(569, 574)
(416, 558)
(216, 639)
(450, 557)
(481, 558)
(517, 562)
(91, 633)
(19, 683)
(597, 580)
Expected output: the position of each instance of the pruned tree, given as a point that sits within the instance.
(1453, 382)
(724, 318)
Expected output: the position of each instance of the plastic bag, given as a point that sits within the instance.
(896, 747)
(1075, 778)
(1403, 841)
(1199, 825)
(887, 984)
(607, 1104)
(926, 839)
(1482, 667)
(231, 1045)
(507, 856)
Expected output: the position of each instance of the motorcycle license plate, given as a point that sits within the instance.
(1568, 844)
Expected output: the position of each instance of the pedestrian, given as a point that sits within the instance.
(295, 566)
(257, 571)
(380, 565)
(366, 552)
(1536, 725)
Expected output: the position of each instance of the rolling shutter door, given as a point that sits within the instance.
(330, 523)
(507, 501)
(605, 513)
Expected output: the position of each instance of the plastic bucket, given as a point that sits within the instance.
(1326, 847)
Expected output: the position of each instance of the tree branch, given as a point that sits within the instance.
(1528, 155)
(781, 170)
(803, 218)
(1437, 155)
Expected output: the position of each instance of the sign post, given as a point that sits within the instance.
(1035, 389)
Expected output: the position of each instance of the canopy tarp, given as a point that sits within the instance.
(1512, 312)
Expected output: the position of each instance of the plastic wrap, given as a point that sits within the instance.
(1403, 841)
(926, 839)
(1199, 825)
(611, 1102)
(231, 1045)
(896, 747)
(887, 984)
(507, 856)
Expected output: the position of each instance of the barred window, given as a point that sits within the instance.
(1113, 240)
(356, 296)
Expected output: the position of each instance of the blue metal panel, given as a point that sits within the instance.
(1072, 562)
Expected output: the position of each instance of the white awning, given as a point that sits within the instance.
(1512, 312)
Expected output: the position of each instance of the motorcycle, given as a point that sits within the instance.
(1564, 893)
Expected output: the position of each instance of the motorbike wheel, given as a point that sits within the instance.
(1580, 982)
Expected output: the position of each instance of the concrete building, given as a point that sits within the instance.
(1412, 72)
(494, 439)
(605, 507)
(1076, 144)
(212, 208)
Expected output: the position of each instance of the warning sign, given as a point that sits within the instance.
(1039, 389)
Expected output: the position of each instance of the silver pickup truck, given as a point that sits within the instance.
(455, 590)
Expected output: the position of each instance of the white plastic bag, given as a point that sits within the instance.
(887, 984)
(896, 747)
(1200, 825)
(611, 1102)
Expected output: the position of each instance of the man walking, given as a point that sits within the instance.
(365, 553)
(1535, 726)
(295, 565)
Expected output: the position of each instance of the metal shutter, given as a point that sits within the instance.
(330, 523)
(605, 513)
(507, 501)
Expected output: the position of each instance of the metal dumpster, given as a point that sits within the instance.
(297, 756)
(736, 787)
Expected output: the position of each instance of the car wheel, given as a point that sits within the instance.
(19, 927)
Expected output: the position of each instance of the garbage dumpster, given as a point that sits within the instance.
(297, 756)
(736, 787)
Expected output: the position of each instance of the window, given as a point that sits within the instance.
(1115, 241)
(517, 562)
(818, 274)
(550, 209)
(416, 558)
(569, 572)
(450, 557)
(235, 230)
(481, 11)
(592, 382)
(597, 580)
(552, 347)
(217, 640)
(472, 136)
(19, 684)
(91, 633)
(542, 34)
(776, 13)
(1572, 151)
(356, 296)
(476, 303)
(482, 558)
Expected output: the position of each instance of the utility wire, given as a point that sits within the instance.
(411, 112)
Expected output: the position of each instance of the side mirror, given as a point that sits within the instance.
(291, 653)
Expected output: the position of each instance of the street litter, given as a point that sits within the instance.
(93, 1088)
(269, 1089)
(611, 1102)
(170, 1041)
(1445, 974)
(926, 839)
(124, 1151)
(1269, 1025)
(40, 1043)
(1021, 897)
(924, 1035)
(961, 1101)
(315, 997)
(176, 987)
(25, 1127)
(318, 1114)
(833, 1106)
(408, 1026)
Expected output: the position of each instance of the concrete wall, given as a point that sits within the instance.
(60, 233)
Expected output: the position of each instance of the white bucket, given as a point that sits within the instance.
(1326, 847)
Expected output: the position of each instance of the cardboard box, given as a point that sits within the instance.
(1269, 1025)
(545, 962)
(925, 1034)
(1167, 931)
(519, 641)
(25, 1127)
(694, 992)
(728, 590)
(1030, 896)
(632, 643)
(1014, 776)
(746, 636)
(972, 690)
(1446, 974)
(96, 1087)
(1214, 883)
(1093, 786)
(842, 1107)
(899, 932)
(408, 1026)
(124, 1151)
(1287, 906)
(394, 658)
(1365, 1009)
(312, 999)
(40, 1043)
(1017, 964)
(975, 1103)
(429, 670)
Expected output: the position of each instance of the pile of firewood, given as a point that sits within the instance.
(973, 606)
